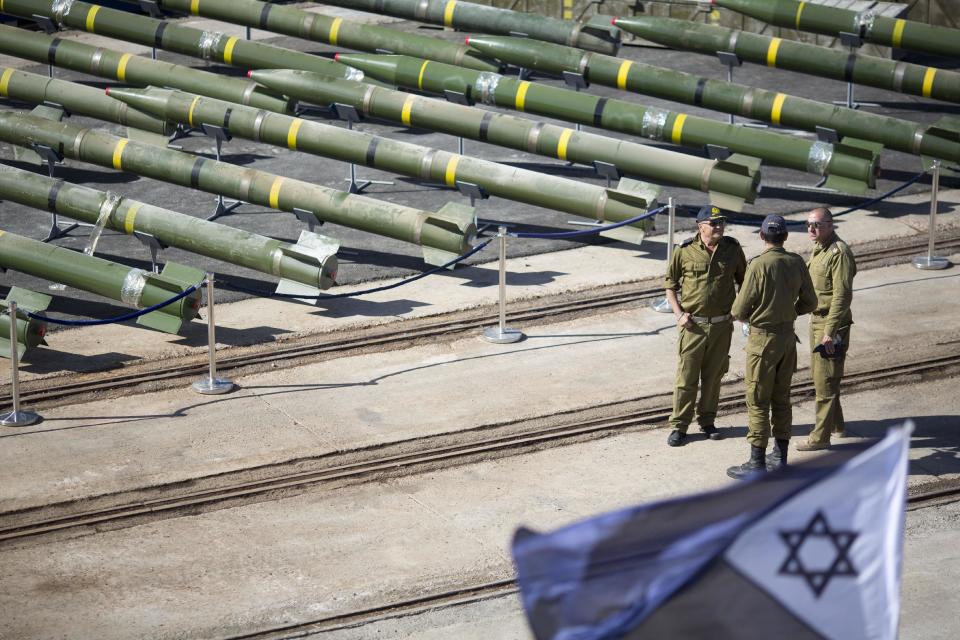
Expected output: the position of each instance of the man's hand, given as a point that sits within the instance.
(684, 320)
(828, 345)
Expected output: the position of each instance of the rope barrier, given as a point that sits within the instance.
(587, 232)
(129, 316)
(333, 296)
(862, 205)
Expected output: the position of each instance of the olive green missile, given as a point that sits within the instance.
(30, 331)
(333, 30)
(595, 34)
(170, 36)
(872, 71)
(58, 97)
(630, 199)
(832, 21)
(126, 67)
(941, 140)
(851, 168)
(729, 183)
(306, 267)
(444, 235)
(135, 287)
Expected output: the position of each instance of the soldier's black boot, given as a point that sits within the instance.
(756, 464)
(778, 456)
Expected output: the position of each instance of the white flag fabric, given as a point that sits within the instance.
(832, 553)
(810, 552)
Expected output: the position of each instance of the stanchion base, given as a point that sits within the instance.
(213, 386)
(660, 305)
(19, 419)
(494, 335)
(930, 263)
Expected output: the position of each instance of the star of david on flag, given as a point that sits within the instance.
(810, 552)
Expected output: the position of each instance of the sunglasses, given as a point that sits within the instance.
(714, 223)
(817, 225)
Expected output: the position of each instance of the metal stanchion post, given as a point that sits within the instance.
(16, 418)
(212, 385)
(501, 334)
(661, 305)
(931, 261)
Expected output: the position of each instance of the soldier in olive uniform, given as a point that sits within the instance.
(832, 268)
(776, 290)
(705, 269)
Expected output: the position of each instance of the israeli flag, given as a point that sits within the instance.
(812, 551)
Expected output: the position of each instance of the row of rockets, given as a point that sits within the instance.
(263, 108)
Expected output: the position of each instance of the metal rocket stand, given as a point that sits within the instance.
(49, 27)
(16, 418)
(212, 385)
(931, 261)
(458, 97)
(51, 157)
(661, 305)
(501, 334)
(155, 247)
(853, 42)
(575, 81)
(150, 8)
(351, 115)
(730, 60)
(220, 135)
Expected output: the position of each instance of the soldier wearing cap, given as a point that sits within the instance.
(704, 269)
(777, 289)
(832, 269)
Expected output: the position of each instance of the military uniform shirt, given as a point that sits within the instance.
(706, 279)
(832, 268)
(777, 289)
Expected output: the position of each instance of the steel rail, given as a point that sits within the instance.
(477, 593)
(44, 393)
(283, 483)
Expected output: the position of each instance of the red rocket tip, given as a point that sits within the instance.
(614, 21)
(467, 41)
(250, 74)
(107, 91)
(336, 57)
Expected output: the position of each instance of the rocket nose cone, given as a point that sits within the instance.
(250, 74)
(614, 21)
(107, 91)
(467, 40)
(336, 57)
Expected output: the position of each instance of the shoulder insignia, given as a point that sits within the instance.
(688, 241)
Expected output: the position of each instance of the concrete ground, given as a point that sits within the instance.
(319, 554)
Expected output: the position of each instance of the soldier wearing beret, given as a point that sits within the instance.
(703, 270)
(832, 269)
(776, 289)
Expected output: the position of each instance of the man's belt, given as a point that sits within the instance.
(710, 319)
(773, 330)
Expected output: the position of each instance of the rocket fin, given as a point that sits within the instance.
(48, 112)
(311, 248)
(29, 300)
(454, 217)
(161, 322)
(846, 185)
(726, 201)
(175, 278)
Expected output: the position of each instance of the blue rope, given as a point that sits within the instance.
(862, 205)
(123, 318)
(386, 287)
(587, 232)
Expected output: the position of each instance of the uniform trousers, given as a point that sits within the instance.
(827, 373)
(703, 352)
(771, 362)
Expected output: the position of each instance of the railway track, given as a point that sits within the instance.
(445, 450)
(62, 390)
(480, 592)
